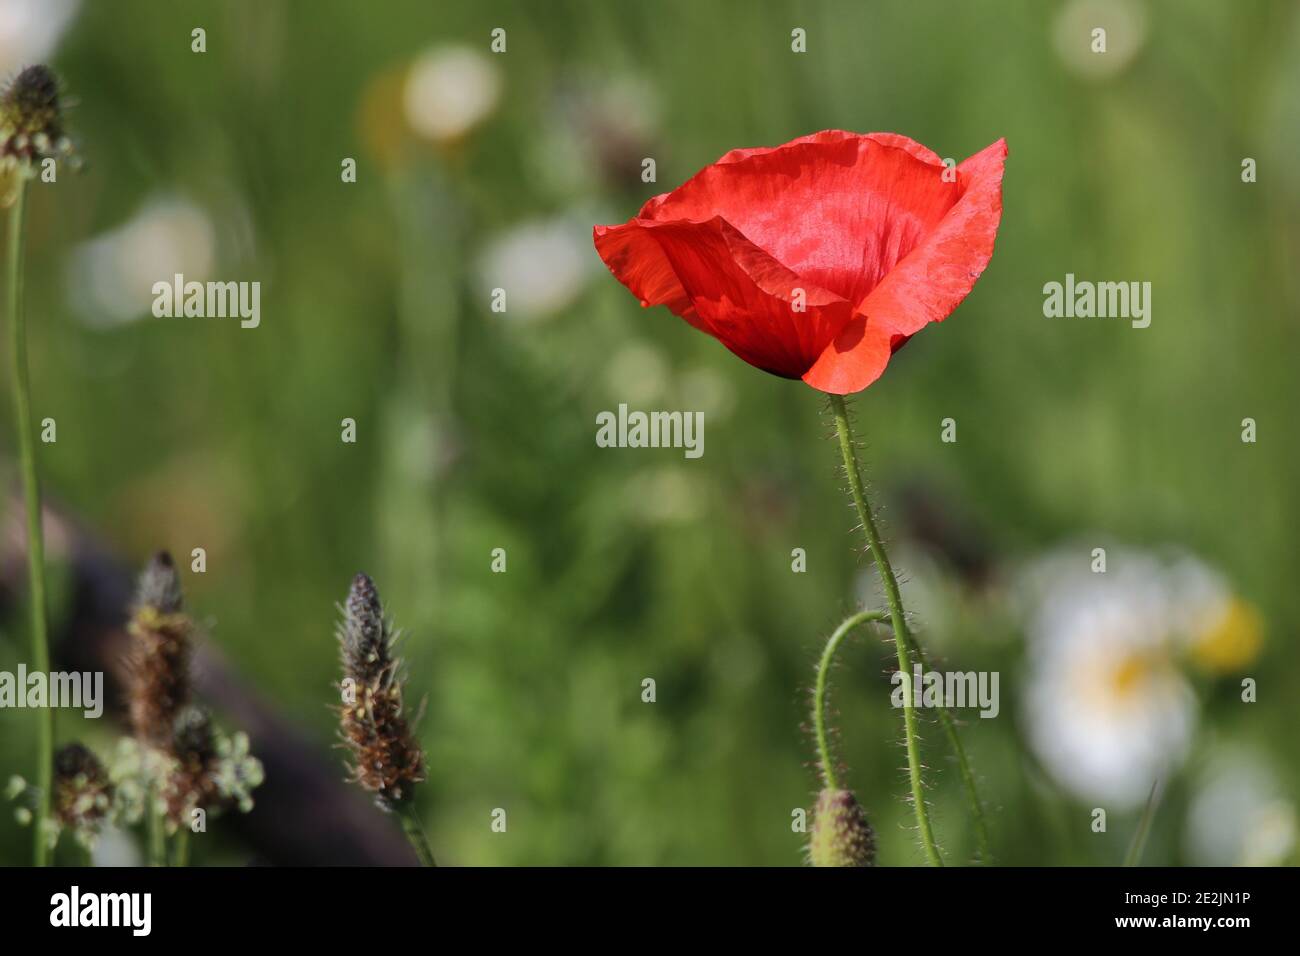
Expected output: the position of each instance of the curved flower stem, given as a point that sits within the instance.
(901, 638)
(945, 717)
(819, 694)
(415, 833)
(963, 766)
(32, 495)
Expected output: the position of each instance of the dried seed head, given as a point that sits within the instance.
(31, 118)
(180, 750)
(191, 782)
(206, 770)
(192, 737)
(83, 794)
(31, 103)
(363, 638)
(160, 586)
(158, 660)
(386, 759)
(841, 835)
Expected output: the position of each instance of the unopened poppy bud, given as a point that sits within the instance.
(841, 835)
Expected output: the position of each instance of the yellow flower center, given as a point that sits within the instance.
(1131, 673)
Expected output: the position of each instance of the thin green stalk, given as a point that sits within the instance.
(1134, 855)
(819, 694)
(32, 496)
(415, 833)
(963, 766)
(181, 847)
(157, 830)
(945, 717)
(901, 639)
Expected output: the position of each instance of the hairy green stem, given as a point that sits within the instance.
(820, 718)
(901, 638)
(963, 765)
(32, 497)
(415, 833)
(819, 693)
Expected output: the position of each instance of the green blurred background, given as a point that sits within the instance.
(476, 429)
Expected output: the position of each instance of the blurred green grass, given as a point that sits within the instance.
(191, 433)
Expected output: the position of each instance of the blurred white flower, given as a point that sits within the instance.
(111, 276)
(1107, 709)
(543, 265)
(1125, 23)
(1239, 815)
(31, 29)
(449, 90)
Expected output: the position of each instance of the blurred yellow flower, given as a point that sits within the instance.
(1231, 641)
(380, 123)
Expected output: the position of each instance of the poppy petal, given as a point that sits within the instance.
(710, 274)
(838, 209)
(926, 285)
(825, 136)
(931, 282)
(637, 261)
(855, 358)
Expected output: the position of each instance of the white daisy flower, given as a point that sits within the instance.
(543, 265)
(1239, 815)
(1108, 710)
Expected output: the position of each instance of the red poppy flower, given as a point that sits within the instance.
(817, 259)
